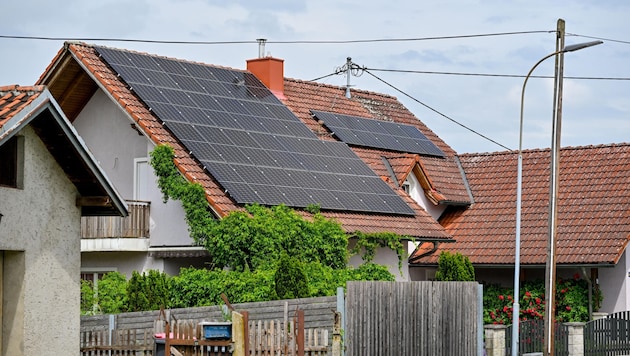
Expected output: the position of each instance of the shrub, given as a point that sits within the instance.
(112, 293)
(290, 280)
(454, 267)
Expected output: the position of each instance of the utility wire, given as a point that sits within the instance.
(45, 38)
(438, 112)
(490, 75)
(598, 38)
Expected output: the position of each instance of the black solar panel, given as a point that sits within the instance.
(359, 131)
(255, 147)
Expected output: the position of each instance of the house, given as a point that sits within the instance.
(48, 181)
(593, 218)
(246, 136)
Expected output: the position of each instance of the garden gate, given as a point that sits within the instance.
(531, 338)
(608, 336)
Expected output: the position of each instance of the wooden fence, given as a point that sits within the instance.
(412, 318)
(264, 338)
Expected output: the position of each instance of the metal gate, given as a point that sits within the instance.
(531, 338)
(608, 336)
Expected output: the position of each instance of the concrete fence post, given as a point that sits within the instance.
(576, 338)
(495, 339)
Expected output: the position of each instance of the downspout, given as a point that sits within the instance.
(590, 293)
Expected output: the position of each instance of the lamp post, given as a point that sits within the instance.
(553, 194)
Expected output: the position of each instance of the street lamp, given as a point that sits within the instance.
(553, 187)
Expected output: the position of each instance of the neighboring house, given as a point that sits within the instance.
(593, 218)
(48, 181)
(246, 136)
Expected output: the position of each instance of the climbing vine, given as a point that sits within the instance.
(192, 196)
(369, 242)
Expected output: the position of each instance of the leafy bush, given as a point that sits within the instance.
(571, 301)
(112, 293)
(454, 267)
(88, 298)
(148, 291)
(290, 280)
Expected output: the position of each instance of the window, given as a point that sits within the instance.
(11, 162)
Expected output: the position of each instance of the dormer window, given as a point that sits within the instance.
(11, 162)
(406, 187)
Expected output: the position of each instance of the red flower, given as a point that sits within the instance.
(537, 300)
(528, 294)
(501, 297)
(505, 309)
(568, 308)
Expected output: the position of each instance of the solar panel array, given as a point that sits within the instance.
(359, 131)
(250, 142)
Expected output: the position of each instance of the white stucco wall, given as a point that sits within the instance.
(107, 131)
(384, 256)
(40, 234)
(615, 287)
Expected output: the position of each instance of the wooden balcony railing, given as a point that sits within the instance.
(136, 224)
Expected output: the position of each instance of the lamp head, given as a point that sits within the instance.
(579, 46)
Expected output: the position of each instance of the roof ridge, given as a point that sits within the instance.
(331, 86)
(546, 149)
(22, 88)
(154, 55)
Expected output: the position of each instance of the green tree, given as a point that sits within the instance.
(454, 267)
(290, 279)
(88, 298)
(112, 293)
(148, 291)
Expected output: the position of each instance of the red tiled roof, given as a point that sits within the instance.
(593, 207)
(14, 98)
(419, 225)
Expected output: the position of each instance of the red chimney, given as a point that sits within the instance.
(270, 71)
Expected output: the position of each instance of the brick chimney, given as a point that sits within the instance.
(269, 70)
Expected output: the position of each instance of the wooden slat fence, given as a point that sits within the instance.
(124, 342)
(274, 338)
(412, 318)
(136, 224)
(266, 338)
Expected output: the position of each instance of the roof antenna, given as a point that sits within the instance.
(350, 69)
(261, 47)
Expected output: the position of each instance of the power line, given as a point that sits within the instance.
(97, 39)
(490, 74)
(438, 112)
(598, 38)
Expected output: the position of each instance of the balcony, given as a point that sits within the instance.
(114, 233)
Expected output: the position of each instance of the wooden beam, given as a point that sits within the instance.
(94, 201)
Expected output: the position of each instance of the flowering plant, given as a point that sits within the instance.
(571, 301)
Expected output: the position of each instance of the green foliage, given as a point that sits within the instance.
(200, 287)
(112, 293)
(290, 280)
(249, 240)
(571, 301)
(454, 267)
(88, 298)
(192, 196)
(148, 291)
(369, 242)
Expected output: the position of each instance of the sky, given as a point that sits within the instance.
(408, 48)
